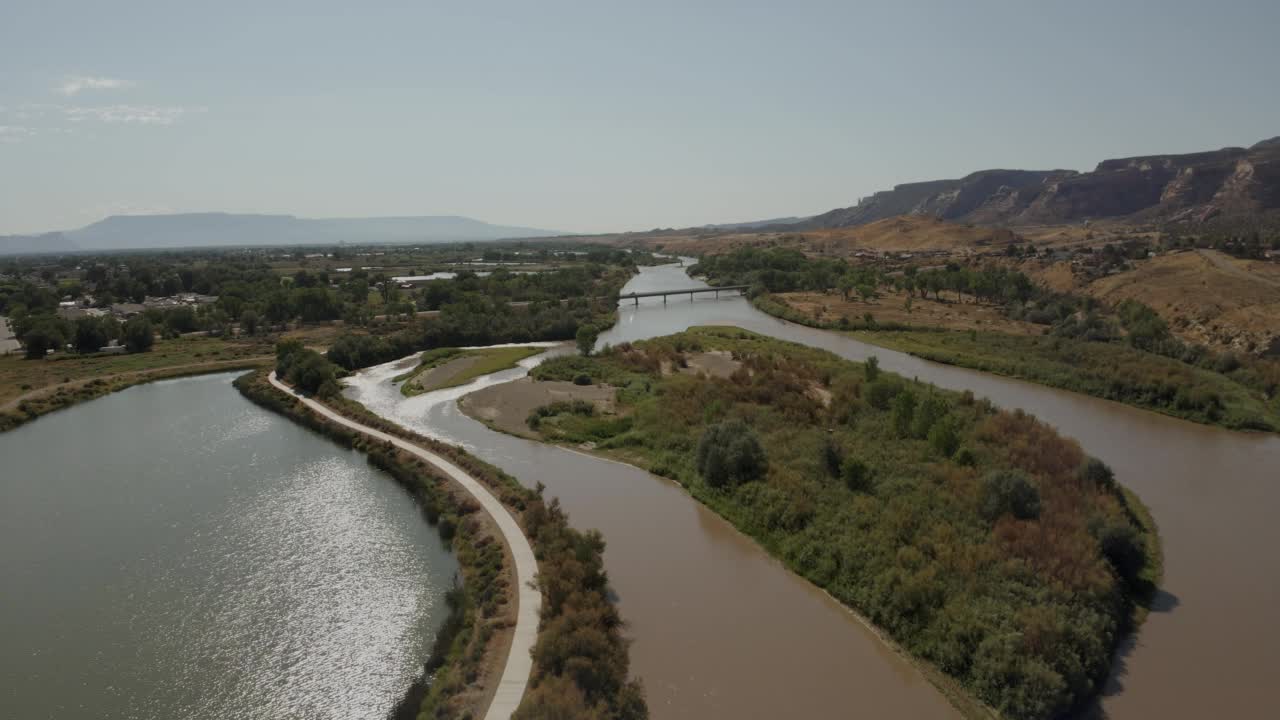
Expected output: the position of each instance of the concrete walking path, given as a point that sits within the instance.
(519, 665)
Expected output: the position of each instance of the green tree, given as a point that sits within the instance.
(44, 333)
(92, 333)
(944, 436)
(880, 393)
(872, 368)
(730, 452)
(279, 308)
(139, 334)
(1124, 549)
(1008, 492)
(586, 338)
(311, 373)
(249, 322)
(904, 406)
(856, 475)
(831, 458)
(181, 319)
(1099, 473)
(927, 413)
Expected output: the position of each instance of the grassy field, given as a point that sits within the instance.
(449, 367)
(1109, 370)
(31, 388)
(19, 376)
(888, 494)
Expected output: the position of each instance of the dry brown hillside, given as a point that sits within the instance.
(910, 234)
(1205, 296)
(896, 235)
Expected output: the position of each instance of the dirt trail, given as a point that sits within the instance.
(1225, 264)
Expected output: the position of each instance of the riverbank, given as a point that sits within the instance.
(1108, 370)
(569, 567)
(41, 401)
(829, 474)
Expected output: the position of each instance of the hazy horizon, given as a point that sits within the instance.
(589, 118)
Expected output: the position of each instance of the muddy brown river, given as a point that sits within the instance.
(724, 631)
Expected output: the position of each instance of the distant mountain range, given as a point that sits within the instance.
(752, 225)
(1232, 182)
(189, 230)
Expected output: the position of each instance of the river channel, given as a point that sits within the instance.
(174, 551)
(723, 631)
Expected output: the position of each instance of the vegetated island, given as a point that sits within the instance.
(991, 317)
(580, 660)
(997, 553)
(442, 368)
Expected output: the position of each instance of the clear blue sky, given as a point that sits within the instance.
(597, 116)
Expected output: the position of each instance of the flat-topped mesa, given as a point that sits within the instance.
(1195, 186)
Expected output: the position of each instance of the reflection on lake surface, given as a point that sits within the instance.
(173, 551)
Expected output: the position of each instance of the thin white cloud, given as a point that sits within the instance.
(14, 133)
(130, 114)
(74, 84)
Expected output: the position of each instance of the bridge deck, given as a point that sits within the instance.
(686, 291)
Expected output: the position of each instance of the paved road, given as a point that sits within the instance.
(8, 343)
(515, 675)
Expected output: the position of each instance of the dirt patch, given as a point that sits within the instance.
(1057, 276)
(715, 363)
(819, 393)
(507, 406)
(891, 307)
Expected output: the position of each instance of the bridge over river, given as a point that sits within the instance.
(740, 289)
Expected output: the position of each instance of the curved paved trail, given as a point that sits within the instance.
(519, 665)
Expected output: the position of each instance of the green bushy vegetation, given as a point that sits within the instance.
(478, 321)
(306, 369)
(980, 540)
(1115, 371)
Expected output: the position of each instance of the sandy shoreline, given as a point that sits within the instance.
(507, 406)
